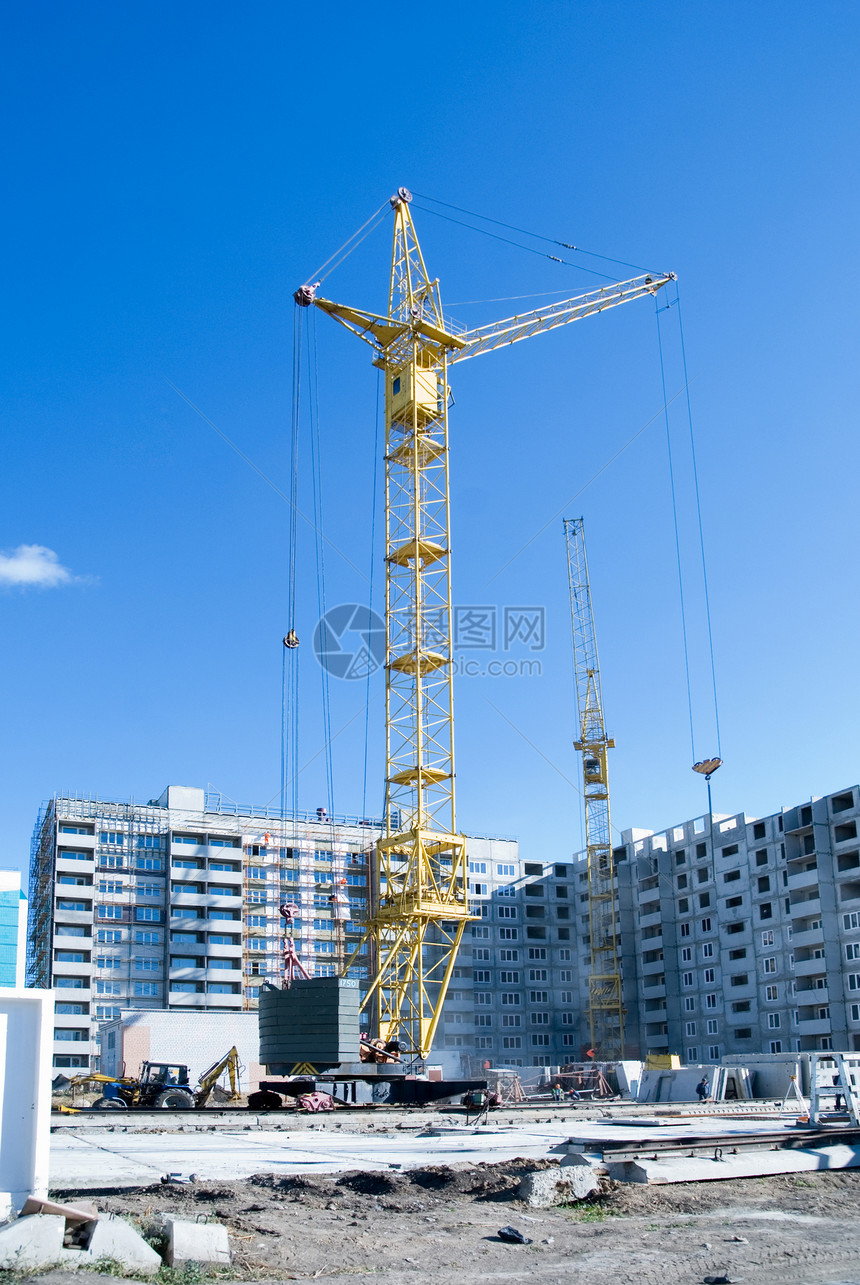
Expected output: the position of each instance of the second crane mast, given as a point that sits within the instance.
(419, 906)
(605, 1004)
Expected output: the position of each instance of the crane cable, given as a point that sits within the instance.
(701, 532)
(510, 227)
(319, 543)
(370, 590)
(657, 310)
(290, 652)
(350, 244)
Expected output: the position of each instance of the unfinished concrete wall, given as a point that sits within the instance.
(26, 1035)
(196, 1039)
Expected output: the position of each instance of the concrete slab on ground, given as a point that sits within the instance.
(87, 1161)
(90, 1161)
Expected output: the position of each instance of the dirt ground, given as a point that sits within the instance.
(441, 1224)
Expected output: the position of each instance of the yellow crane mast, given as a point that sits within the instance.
(419, 905)
(605, 1005)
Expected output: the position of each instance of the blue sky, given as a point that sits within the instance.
(173, 172)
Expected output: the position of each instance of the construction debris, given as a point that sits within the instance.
(47, 1234)
(189, 1242)
(570, 1182)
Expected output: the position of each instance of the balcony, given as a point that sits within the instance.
(656, 990)
(809, 937)
(656, 966)
(803, 879)
(815, 1026)
(222, 876)
(812, 995)
(75, 864)
(812, 906)
(72, 917)
(649, 921)
(808, 967)
(75, 840)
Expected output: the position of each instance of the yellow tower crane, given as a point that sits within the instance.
(605, 1006)
(419, 906)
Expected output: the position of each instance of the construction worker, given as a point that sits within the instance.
(702, 1089)
(556, 1092)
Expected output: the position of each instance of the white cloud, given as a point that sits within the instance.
(33, 565)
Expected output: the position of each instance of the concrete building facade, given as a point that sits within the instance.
(13, 929)
(174, 904)
(741, 934)
(738, 934)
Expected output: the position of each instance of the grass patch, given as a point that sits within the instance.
(584, 1213)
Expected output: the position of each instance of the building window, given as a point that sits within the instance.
(710, 1001)
(773, 1021)
(708, 950)
(689, 1004)
(686, 954)
(690, 1028)
(507, 912)
(506, 871)
(767, 937)
(771, 993)
(765, 910)
(508, 956)
(110, 912)
(512, 1042)
(511, 999)
(685, 930)
(106, 936)
(538, 997)
(714, 1052)
(686, 979)
(769, 964)
(150, 989)
(112, 837)
(539, 952)
(708, 976)
(108, 961)
(511, 1019)
(776, 1046)
(706, 925)
(713, 1026)
(540, 1019)
(692, 1055)
(540, 1039)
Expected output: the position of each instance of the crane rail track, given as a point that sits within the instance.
(717, 1145)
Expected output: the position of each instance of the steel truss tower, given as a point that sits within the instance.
(605, 1006)
(419, 905)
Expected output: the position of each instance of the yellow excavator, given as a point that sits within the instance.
(162, 1085)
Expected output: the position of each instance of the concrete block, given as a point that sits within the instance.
(195, 1242)
(29, 1244)
(114, 1238)
(547, 1187)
